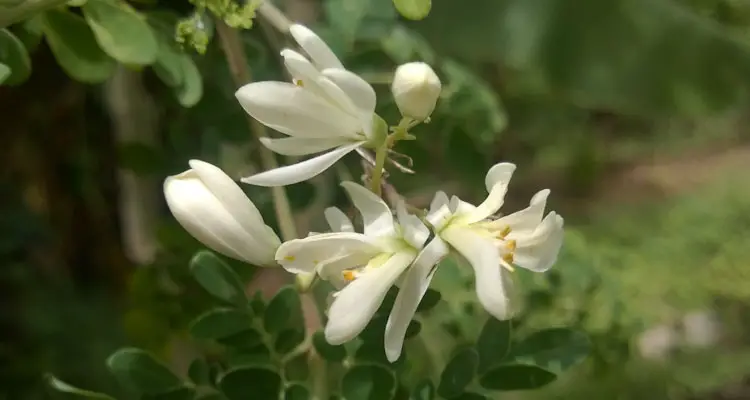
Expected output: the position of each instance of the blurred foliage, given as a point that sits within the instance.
(569, 88)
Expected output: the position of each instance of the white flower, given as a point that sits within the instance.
(365, 265)
(212, 208)
(326, 108)
(416, 89)
(494, 246)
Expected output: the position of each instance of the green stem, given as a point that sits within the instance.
(377, 173)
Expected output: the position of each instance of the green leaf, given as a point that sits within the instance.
(554, 349)
(14, 58)
(413, 329)
(121, 32)
(493, 343)
(220, 323)
(423, 391)
(4, 72)
(244, 340)
(296, 392)
(168, 65)
(243, 354)
(245, 382)
(138, 370)
(199, 372)
(288, 340)
(217, 278)
(75, 48)
(516, 377)
(413, 9)
(470, 396)
(283, 311)
(183, 393)
(190, 90)
(430, 299)
(458, 373)
(61, 386)
(334, 353)
(368, 382)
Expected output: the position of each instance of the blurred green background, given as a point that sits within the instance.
(634, 113)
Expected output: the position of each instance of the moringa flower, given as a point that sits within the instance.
(493, 246)
(212, 208)
(327, 108)
(365, 265)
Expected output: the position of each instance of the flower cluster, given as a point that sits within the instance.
(328, 109)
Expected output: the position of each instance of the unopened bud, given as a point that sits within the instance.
(416, 89)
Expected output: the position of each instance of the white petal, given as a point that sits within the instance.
(315, 47)
(538, 251)
(336, 96)
(489, 206)
(337, 220)
(412, 289)
(297, 146)
(355, 305)
(333, 270)
(300, 67)
(484, 257)
(497, 180)
(499, 174)
(458, 206)
(304, 255)
(361, 92)
(440, 200)
(376, 215)
(414, 230)
(226, 190)
(526, 220)
(295, 111)
(301, 171)
(207, 219)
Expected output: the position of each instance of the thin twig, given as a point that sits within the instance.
(235, 54)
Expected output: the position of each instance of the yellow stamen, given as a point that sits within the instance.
(299, 83)
(290, 258)
(504, 232)
(511, 245)
(348, 275)
(508, 258)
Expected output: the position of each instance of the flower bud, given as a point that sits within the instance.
(416, 89)
(214, 210)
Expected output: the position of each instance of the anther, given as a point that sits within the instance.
(510, 245)
(348, 275)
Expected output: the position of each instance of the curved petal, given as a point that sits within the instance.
(460, 207)
(205, 217)
(305, 255)
(412, 289)
(481, 253)
(499, 174)
(299, 67)
(297, 146)
(336, 96)
(295, 111)
(333, 269)
(526, 220)
(489, 206)
(301, 171)
(315, 47)
(414, 230)
(538, 251)
(355, 305)
(376, 215)
(440, 200)
(337, 220)
(361, 92)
